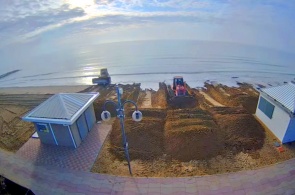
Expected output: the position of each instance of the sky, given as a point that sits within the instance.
(72, 23)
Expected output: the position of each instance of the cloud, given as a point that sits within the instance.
(245, 21)
(12, 10)
(19, 19)
(36, 17)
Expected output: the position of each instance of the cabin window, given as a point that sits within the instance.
(42, 127)
(266, 107)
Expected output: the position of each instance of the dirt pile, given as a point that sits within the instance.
(27, 100)
(98, 108)
(187, 134)
(145, 138)
(227, 110)
(142, 98)
(159, 98)
(244, 96)
(241, 130)
(188, 142)
(201, 100)
(219, 94)
(248, 102)
(191, 134)
(13, 131)
(130, 92)
(181, 102)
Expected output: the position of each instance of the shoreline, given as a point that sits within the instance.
(43, 89)
(34, 90)
(53, 89)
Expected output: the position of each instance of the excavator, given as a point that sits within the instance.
(179, 95)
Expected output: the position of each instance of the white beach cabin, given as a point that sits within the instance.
(276, 108)
(64, 119)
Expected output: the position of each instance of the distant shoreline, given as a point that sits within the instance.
(53, 89)
(43, 89)
(77, 88)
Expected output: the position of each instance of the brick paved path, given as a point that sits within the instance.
(276, 179)
(81, 159)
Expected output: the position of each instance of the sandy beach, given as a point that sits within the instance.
(216, 134)
(43, 89)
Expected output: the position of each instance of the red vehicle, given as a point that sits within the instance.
(179, 95)
(179, 86)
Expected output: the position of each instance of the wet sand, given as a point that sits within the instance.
(43, 89)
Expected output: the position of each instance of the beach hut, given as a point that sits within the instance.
(276, 108)
(64, 119)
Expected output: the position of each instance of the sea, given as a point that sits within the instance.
(148, 63)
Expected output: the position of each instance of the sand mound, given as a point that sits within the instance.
(1, 124)
(182, 102)
(145, 138)
(14, 132)
(248, 102)
(227, 110)
(230, 96)
(191, 135)
(150, 112)
(159, 98)
(130, 92)
(240, 129)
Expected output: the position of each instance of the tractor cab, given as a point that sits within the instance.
(103, 79)
(177, 81)
(179, 87)
(179, 95)
(104, 72)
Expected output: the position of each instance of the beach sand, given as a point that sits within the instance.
(157, 134)
(43, 89)
(218, 135)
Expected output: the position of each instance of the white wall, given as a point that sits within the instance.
(279, 122)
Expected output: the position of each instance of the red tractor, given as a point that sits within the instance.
(179, 95)
(179, 86)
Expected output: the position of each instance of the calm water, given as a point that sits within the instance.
(147, 62)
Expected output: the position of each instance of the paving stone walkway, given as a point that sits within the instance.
(275, 179)
(81, 158)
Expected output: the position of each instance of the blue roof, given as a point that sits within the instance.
(63, 108)
(284, 94)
